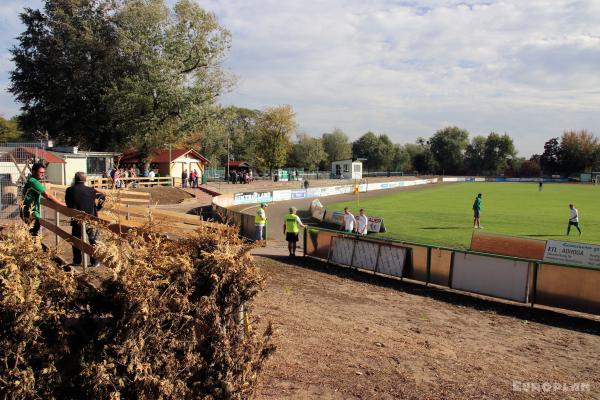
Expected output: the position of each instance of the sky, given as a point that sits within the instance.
(404, 68)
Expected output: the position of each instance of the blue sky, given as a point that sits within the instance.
(406, 68)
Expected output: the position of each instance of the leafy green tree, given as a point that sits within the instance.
(377, 149)
(174, 73)
(274, 128)
(65, 63)
(497, 151)
(106, 74)
(401, 160)
(308, 153)
(529, 168)
(448, 146)
(578, 151)
(9, 130)
(421, 157)
(550, 159)
(337, 146)
(475, 155)
(240, 124)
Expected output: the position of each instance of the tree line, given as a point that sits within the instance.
(107, 75)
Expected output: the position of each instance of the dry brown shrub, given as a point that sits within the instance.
(160, 321)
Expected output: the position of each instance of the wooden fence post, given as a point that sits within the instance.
(56, 222)
(84, 239)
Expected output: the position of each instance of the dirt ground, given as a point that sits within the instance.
(344, 334)
(165, 195)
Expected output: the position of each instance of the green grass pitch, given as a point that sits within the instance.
(442, 215)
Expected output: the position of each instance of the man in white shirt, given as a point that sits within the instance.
(573, 219)
(349, 221)
(362, 222)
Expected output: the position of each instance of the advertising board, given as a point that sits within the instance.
(582, 254)
(254, 197)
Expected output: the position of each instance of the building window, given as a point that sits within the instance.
(96, 165)
(346, 168)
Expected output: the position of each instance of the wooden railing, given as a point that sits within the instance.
(108, 183)
(120, 195)
(119, 218)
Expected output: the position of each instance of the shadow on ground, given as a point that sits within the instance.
(523, 312)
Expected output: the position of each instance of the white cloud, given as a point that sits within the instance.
(408, 68)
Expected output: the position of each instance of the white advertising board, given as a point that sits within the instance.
(374, 224)
(491, 276)
(250, 198)
(317, 210)
(365, 255)
(282, 195)
(583, 254)
(341, 251)
(391, 260)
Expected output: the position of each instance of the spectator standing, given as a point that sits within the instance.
(291, 228)
(477, 211)
(362, 222)
(191, 179)
(83, 198)
(250, 176)
(348, 221)
(33, 191)
(260, 221)
(573, 219)
(196, 176)
(151, 175)
(184, 178)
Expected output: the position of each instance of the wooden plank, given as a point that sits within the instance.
(80, 244)
(162, 214)
(125, 191)
(508, 245)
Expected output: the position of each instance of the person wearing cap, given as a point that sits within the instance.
(260, 220)
(291, 228)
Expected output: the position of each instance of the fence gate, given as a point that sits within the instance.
(16, 160)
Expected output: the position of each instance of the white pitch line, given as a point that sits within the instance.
(247, 208)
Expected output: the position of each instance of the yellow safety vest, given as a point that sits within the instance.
(259, 219)
(291, 223)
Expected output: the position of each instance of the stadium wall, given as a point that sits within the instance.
(523, 280)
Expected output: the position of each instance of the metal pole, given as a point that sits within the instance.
(56, 222)
(84, 240)
(305, 240)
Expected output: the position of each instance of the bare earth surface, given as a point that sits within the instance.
(343, 334)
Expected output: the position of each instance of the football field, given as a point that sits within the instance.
(442, 214)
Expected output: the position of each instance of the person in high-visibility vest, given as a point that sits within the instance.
(291, 228)
(260, 220)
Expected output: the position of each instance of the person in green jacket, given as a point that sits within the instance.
(477, 211)
(33, 191)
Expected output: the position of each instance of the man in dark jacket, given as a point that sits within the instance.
(83, 198)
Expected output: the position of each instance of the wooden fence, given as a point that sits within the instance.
(119, 218)
(108, 183)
